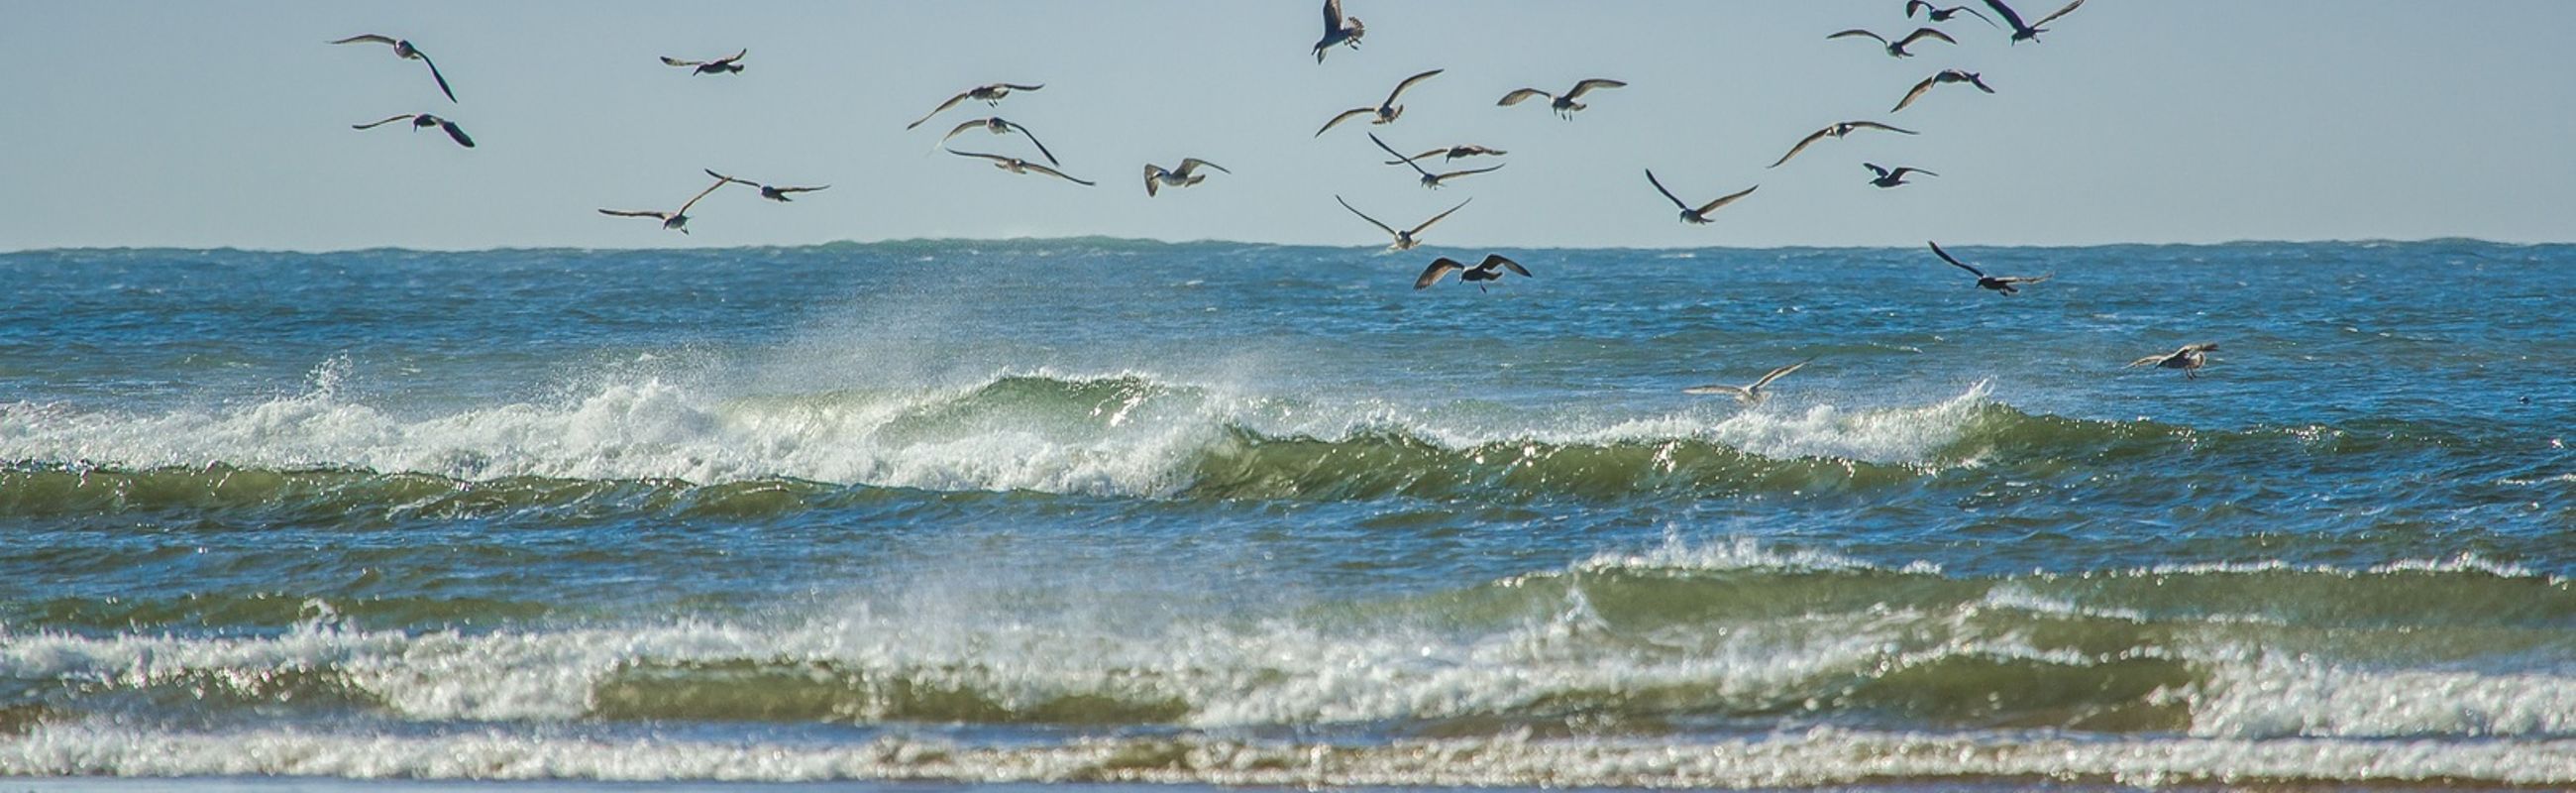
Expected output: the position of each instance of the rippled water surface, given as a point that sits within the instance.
(1226, 514)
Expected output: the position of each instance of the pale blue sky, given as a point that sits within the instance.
(226, 124)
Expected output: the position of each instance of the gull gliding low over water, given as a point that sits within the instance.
(771, 192)
(404, 49)
(675, 221)
(1700, 214)
(1749, 394)
(1020, 166)
(2189, 359)
(1385, 112)
(1896, 49)
(1338, 30)
(1946, 76)
(998, 126)
(2002, 284)
(1565, 104)
(987, 94)
(1432, 180)
(1405, 239)
(1491, 269)
(730, 64)
(419, 120)
(1835, 131)
(1157, 176)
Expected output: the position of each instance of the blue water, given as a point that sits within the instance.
(1117, 511)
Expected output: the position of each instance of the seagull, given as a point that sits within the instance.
(1020, 166)
(771, 192)
(730, 64)
(987, 94)
(1429, 179)
(1491, 269)
(1156, 176)
(1386, 111)
(2029, 32)
(1896, 49)
(998, 126)
(1404, 240)
(1946, 76)
(675, 221)
(404, 49)
(1939, 14)
(1888, 178)
(1835, 131)
(2002, 284)
(419, 120)
(1346, 32)
(1450, 153)
(2189, 359)
(1699, 215)
(1563, 105)
(1748, 394)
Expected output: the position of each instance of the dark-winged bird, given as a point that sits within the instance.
(1564, 104)
(675, 221)
(1946, 76)
(768, 191)
(1939, 14)
(1491, 269)
(1407, 238)
(1896, 49)
(1338, 30)
(1020, 166)
(730, 64)
(1156, 176)
(2031, 31)
(404, 49)
(1700, 214)
(987, 94)
(998, 126)
(2002, 284)
(419, 120)
(1385, 112)
(1892, 178)
(1429, 179)
(1835, 131)
(1448, 153)
(2189, 359)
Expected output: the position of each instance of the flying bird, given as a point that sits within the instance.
(1888, 178)
(1896, 49)
(1699, 215)
(1385, 111)
(768, 191)
(1946, 76)
(1834, 131)
(2002, 284)
(1449, 153)
(419, 120)
(1939, 14)
(404, 49)
(987, 94)
(1429, 179)
(2028, 32)
(1157, 176)
(675, 221)
(1491, 269)
(1337, 30)
(730, 64)
(1406, 239)
(998, 126)
(1564, 105)
(2189, 359)
(1020, 166)
(1749, 394)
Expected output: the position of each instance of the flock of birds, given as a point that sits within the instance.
(1347, 31)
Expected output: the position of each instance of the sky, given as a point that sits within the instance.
(160, 124)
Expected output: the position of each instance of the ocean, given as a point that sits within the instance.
(1213, 514)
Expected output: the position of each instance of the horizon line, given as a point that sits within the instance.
(1097, 238)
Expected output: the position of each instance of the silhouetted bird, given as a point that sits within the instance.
(1491, 269)
(1429, 179)
(1338, 30)
(1386, 111)
(1020, 166)
(1939, 14)
(1896, 49)
(998, 126)
(1946, 76)
(1406, 239)
(1157, 176)
(2189, 359)
(2002, 284)
(771, 192)
(730, 64)
(1565, 104)
(1699, 215)
(404, 49)
(675, 221)
(987, 94)
(419, 120)
(2031, 31)
(1835, 131)
(1449, 153)
(1888, 178)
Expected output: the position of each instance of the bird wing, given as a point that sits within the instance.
(2026, 279)
(1436, 218)
(1019, 87)
(1858, 32)
(634, 213)
(1876, 125)
(434, 75)
(2006, 12)
(2156, 358)
(1736, 391)
(1408, 83)
(2043, 21)
(1332, 16)
(1390, 231)
(712, 172)
(370, 38)
(1493, 260)
(734, 57)
(1659, 187)
(1033, 140)
(1346, 115)
(1902, 170)
(1873, 168)
(942, 108)
(455, 133)
(1417, 167)
(1469, 172)
(671, 61)
(1776, 374)
(1803, 143)
(1439, 267)
(1919, 89)
(1152, 184)
(1981, 17)
(1590, 84)
(1192, 163)
(1924, 33)
(799, 189)
(994, 157)
(1727, 199)
(1945, 256)
(693, 200)
(961, 126)
(1912, 6)
(388, 120)
(1057, 174)
(1515, 97)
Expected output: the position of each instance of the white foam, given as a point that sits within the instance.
(2270, 694)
